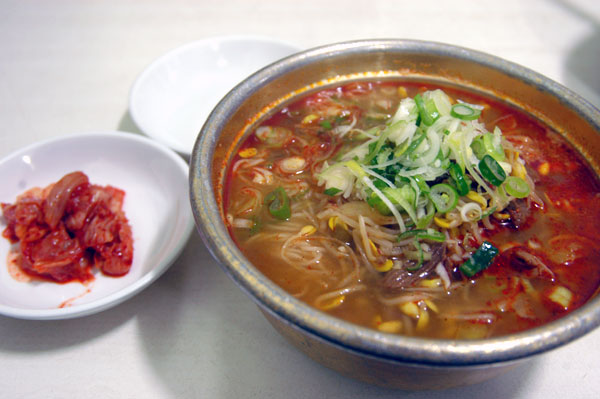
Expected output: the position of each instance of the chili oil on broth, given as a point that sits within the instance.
(315, 257)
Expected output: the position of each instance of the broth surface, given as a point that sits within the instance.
(334, 252)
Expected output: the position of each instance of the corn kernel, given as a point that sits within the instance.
(248, 152)
(544, 169)
(402, 92)
(410, 309)
(309, 118)
(561, 296)
(392, 326)
(308, 230)
(334, 303)
(385, 266)
(474, 196)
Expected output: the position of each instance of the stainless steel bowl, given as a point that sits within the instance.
(365, 354)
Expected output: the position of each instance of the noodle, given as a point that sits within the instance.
(353, 203)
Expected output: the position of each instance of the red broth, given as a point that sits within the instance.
(547, 263)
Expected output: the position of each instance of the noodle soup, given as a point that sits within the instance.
(418, 210)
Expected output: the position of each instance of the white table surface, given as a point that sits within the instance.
(67, 67)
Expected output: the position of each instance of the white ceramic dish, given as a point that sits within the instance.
(172, 98)
(154, 179)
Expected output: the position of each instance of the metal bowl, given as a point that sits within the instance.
(365, 354)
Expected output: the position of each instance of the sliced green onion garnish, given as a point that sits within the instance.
(400, 150)
(355, 168)
(487, 143)
(376, 146)
(418, 265)
(464, 112)
(491, 170)
(425, 220)
(326, 125)
(480, 260)
(427, 110)
(403, 196)
(332, 191)
(459, 179)
(416, 141)
(429, 234)
(278, 204)
(444, 197)
(516, 187)
(422, 183)
(488, 212)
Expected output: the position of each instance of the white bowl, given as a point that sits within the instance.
(154, 179)
(172, 98)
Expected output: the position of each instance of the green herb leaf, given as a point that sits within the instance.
(480, 260)
(278, 204)
(332, 191)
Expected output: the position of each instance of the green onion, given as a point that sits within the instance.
(355, 168)
(487, 143)
(516, 187)
(488, 212)
(459, 179)
(376, 146)
(403, 196)
(382, 156)
(332, 191)
(278, 204)
(480, 260)
(464, 112)
(425, 220)
(427, 110)
(491, 170)
(377, 203)
(444, 197)
(326, 125)
(416, 141)
(418, 265)
(400, 150)
(400, 180)
(429, 234)
(421, 183)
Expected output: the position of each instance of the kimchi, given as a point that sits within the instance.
(69, 229)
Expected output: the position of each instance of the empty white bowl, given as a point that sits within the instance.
(172, 98)
(154, 179)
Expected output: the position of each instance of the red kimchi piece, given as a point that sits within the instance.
(68, 228)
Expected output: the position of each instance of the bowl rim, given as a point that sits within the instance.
(136, 103)
(277, 302)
